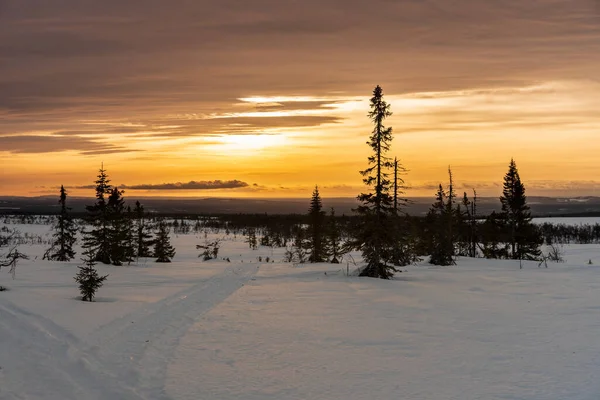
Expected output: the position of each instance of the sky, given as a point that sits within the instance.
(268, 98)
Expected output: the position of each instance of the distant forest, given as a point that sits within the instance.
(186, 207)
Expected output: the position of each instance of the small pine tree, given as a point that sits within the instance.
(316, 242)
(334, 242)
(130, 236)
(87, 277)
(163, 251)
(403, 251)
(299, 245)
(467, 220)
(443, 216)
(65, 232)
(142, 230)
(251, 239)
(524, 237)
(494, 240)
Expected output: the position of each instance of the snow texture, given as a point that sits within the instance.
(483, 329)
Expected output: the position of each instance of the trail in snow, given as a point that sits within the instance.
(141, 344)
(46, 362)
(124, 359)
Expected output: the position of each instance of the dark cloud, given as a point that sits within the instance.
(192, 185)
(49, 144)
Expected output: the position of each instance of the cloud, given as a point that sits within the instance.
(191, 185)
(115, 57)
(49, 144)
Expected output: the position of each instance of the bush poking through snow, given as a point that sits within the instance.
(211, 249)
(555, 254)
(11, 259)
(88, 278)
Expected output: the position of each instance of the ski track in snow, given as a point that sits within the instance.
(135, 348)
(58, 358)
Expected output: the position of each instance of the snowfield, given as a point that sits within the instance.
(245, 329)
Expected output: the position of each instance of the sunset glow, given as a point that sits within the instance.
(470, 86)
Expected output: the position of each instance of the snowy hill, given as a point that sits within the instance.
(254, 330)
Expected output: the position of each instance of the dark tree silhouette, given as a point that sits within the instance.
(65, 233)
(316, 242)
(130, 241)
(119, 232)
(375, 238)
(524, 237)
(142, 230)
(87, 277)
(403, 251)
(251, 239)
(163, 251)
(443, 217)
(98, 238)
(334, 239)
(467, 225)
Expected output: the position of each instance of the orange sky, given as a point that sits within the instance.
(270, 98)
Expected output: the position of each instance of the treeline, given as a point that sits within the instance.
(568, 234)
(112, 233)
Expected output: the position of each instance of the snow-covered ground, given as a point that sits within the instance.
(568, 220)
(254, 330)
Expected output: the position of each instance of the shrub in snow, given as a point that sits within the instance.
(211, 250)
(555, 254)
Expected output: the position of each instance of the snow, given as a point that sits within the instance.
(568, 220)
(483, 329)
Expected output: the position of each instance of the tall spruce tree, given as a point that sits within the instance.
(142, 231)
(316, 241)
(375, 238)
(98, 238)
(524, 237)
(65, 232)
(163, 251)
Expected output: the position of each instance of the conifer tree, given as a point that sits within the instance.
(118, 228)
(443, 216)
(65, 232)
(98, 238)
(375, 238)
(403, 251)
(299, 245)
(524, 237)
(251, 239)
(316, 242)
(163, 251)
(130, 237)
(142, 231)
(494, 239)
(334, 242)
(87, 277)
(468, 224)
